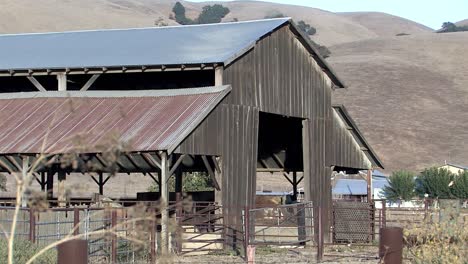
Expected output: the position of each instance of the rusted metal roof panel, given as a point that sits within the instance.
(64, 122)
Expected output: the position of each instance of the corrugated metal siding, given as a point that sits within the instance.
(278, 76)
(58, 123)
(345, 151)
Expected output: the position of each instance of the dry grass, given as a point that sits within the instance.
(462, 23)
(409, 96)
(56, 15)
(384, 25)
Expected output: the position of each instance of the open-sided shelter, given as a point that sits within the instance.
(232, 99)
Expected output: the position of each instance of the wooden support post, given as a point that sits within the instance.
(76, 220)
(32, 225)
(50, 185)
(306, 160)
(219, 178)
(61, 196)
(177, 236)
(307, 179)
(164, 203)
(369, 185)
(113, 256)
(101, 184)
(219, 76)
(43, 181)
(62, 82)
(294, 184)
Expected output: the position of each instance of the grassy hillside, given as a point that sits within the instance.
(409, 95)
(385, 25)
(462, 23)
(58, 15)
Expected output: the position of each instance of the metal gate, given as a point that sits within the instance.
(282, 225)
(353, 222)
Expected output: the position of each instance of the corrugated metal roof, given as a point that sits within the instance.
(52, 122)
(195, 44)
(356, 186)
(457, 166)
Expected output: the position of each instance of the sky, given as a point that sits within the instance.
(431, 13)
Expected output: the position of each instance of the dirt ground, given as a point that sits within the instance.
(341, 254)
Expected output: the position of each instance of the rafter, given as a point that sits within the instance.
(90, 82)
(36, 84)
(211, 172)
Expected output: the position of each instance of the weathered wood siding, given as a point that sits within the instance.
(345, 151)
(277, 76)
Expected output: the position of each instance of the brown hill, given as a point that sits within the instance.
(409, 95)
(53, 15)
(385, 25)
(462, 23)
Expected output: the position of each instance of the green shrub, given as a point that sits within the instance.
(191, 182)
(179, 12)
(436, 183)
(460, 185)
(23, 250)
(212, 14)
(451, 27)
(401, 186)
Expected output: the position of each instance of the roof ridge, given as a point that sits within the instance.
(144, 28)
(115, 93)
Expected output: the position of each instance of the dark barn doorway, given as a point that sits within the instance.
(280, 150)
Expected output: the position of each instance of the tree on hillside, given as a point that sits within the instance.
(401, 186)
(308, 29)
(212, 14)
(435, 182)
(451, 27)
(179, 13)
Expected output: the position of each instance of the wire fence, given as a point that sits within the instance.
(200, 227)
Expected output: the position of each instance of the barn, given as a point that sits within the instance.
(231, 99)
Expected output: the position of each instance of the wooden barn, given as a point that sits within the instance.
(231, 99)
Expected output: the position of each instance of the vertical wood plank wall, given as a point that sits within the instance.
(277, 76)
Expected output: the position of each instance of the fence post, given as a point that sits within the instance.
(73, 252)
(249, 249)
(32, 225)
(426, 208)
(319, 235)
(391, 245)
(114, 237)
(153, 239)
(384, 213)
(76, 221)
(246, 228)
